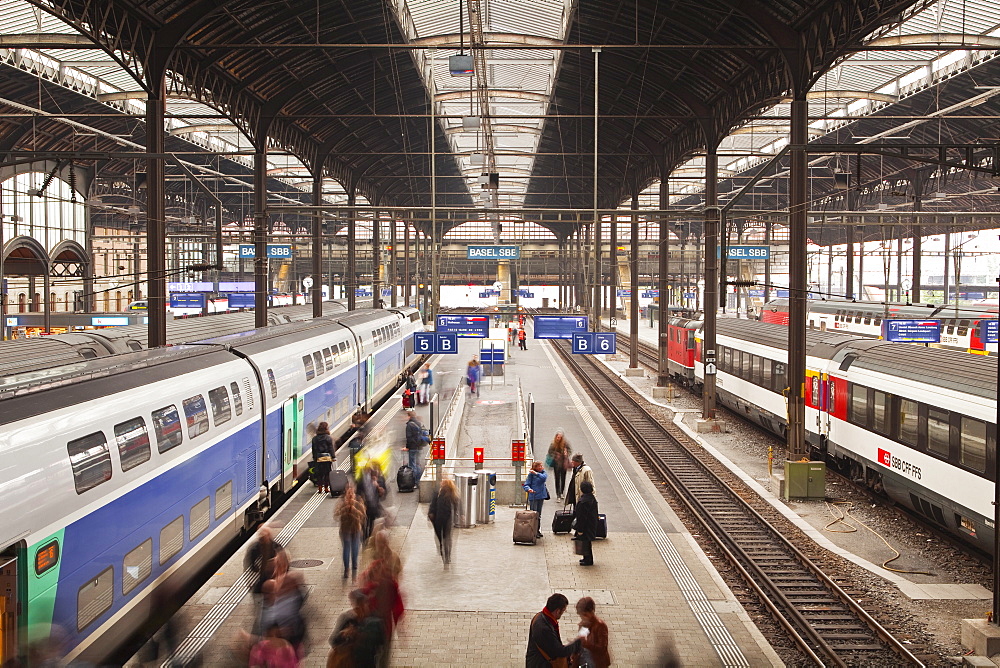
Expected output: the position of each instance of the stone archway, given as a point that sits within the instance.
(70, 260)
(23, 256)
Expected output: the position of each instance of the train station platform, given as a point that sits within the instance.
(652, 584)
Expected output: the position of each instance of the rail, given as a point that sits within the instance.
(827, 624)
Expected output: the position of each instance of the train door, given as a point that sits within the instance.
(826, 407)
(291, 434)
(370, 382)
(11, 606)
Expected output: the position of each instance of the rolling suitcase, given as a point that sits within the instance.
(407, 399)
(405, 480)
(562, 521)
(602, 525)
(525, 527)
(338, 482)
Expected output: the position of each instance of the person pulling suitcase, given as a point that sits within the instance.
(534, 485)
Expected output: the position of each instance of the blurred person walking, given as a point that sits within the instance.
(585, 523)
(596, 642)
(558, 460)
(322, 447)
(284, 596)
(372, 490)
(273, 651)
(472, 372)
(581, 474)
(380, 582)
(260, 556)
(358, 636)
(351, 514)
(416, 439)
(441, 512)
(426, 384)
(545, 647)
(534, 485)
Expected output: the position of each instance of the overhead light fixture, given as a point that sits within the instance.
(477, 159)
(940, 195)
(882, 206)
(471, 122)
(461, 66)
(34, 192)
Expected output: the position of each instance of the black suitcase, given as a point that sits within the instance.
(405, 480)
(562, 521)
(602, 525)
(338, 482)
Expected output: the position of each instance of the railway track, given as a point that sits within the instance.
(825, 622)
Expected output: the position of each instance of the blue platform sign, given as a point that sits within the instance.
(595, 343)
(493, 253)
(484, 295)
(492, 355)
(386, 292)
(188, 300)
(781, 294)
(361, 292)
(274, 251)
(435, 343)
(559, 326)
(747, 252)
(689, 295)
(755, 293)
(191, 286)
(466, 326)
(988, 330)
(241, 300)
(624, 292)
(650, 294)
(524, 294)
(912, 331)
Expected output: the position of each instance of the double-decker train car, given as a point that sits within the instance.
(124, 473)
(918, 424)
(959, 326)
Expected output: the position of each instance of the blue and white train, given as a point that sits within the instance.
(122, 473)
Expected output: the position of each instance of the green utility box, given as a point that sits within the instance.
(805, 480)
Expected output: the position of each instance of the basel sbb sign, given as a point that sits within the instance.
(493, 253)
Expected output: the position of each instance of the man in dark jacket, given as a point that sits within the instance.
(585, 514)
(415, 443)
(544, 642)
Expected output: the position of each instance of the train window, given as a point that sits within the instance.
(758, 373)
(778, 376)
(831, 395)
(307, 363)
(747, 365)
(197, 415)
(938, 431)
(690, 341)
(343, 348)
(167, 424)
(328, 358)
(859, 405)
(171, 539)
(237, 399)
(221, 411)
(199, 519)
(224, 499)
(963, 327)
(868, 320)
(767, 377)
(909, 422)
(877, 322)
(880, 405)
(137, 566)
(272, 383)
(91, 461)
(133, 443)
(972, 448)
(318, 359)
(726, 357)
(95, 598)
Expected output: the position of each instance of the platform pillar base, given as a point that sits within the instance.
(639, 373)
(778, 484)
(980, 636)
(710, 426)
(663, 393)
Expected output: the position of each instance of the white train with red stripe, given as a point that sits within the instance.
(916, 423)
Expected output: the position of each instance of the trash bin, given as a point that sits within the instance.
(467, 499)
(486, 509)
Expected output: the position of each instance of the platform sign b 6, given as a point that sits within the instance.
(594, 343)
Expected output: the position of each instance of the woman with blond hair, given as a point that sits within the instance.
(441, 512)
(558, 459)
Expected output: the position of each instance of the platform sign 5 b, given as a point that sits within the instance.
(435, 343)
(595, 343)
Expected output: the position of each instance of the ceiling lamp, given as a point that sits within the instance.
(471, 122)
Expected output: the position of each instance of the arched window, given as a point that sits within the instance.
(68, 302)
(36, 302)
(22, 303)
(50, 218)
(118, 300)
(53, 304)
(130, 297)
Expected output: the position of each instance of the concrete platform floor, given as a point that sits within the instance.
(652, 583)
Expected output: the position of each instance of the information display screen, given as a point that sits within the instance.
(241, 300)
(988, 330)
(188, 300)
(912, 331)
(466, 326)
(559, 326)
